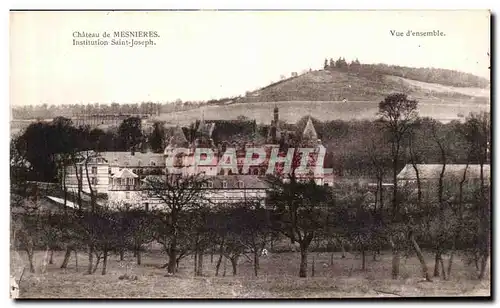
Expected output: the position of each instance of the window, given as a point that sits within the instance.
(146, 206)
(94, 181)
(224, 184)
(210, 184)
(152, 163)
(139, 162)
(241, 184)
(118, 181)
(127, 195)
(94, 170)
(109, 170)
(255, 171)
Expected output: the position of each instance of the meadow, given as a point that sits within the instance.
(342, 278)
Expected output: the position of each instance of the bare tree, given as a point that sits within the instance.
(297, 212)
(175, 194)
(397, 112)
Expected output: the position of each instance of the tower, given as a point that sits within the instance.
(274, 132)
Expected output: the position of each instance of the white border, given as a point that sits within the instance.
(186, 4)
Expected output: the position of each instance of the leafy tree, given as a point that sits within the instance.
(130, 133)
(157, 138)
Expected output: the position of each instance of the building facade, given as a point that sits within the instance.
(121, 175)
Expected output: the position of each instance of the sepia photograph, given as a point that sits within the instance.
(239, 154)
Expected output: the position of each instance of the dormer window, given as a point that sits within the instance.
(210, 184)
(241, 184)
(139, 162)
(152, 163)
(224, 184)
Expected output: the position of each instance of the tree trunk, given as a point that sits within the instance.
(138, 255)
(363, 256)
(76, 260)
(172, 257)
(51, 258)
(135, 253)
(436, 264)
(312, 267)
(256, 262)
(450, 263)
(29, 251)
(303, 263)
(443, 269)
(224, 272)
(67, 255)
(200, 263)
(91, 259)
(234, 263)
(104, 262)
(195, 262)
(395, 261)
(374, 255)
(420, 255)
(331, 258)
(217, 266)
(212, 255)
(343, 249)
(96, 264)
(484, 262)
(122, 254)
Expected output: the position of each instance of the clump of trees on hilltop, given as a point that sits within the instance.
(432, 75)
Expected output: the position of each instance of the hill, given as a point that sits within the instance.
(321, 94)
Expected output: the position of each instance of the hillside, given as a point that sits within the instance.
(320, 94)
(336, 84)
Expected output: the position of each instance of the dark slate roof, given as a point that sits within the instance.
(249, 181)
(138, 159)
(433, 171)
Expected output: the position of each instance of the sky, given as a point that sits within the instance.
(203, 55)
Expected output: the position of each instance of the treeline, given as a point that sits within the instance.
(46, 111)
(424, 74)
(350, 145)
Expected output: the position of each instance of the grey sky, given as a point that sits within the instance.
(204, 55)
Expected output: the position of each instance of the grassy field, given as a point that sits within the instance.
(292, 111)
(277, 279)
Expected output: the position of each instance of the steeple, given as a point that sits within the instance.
(274, 134)
(309, 135)
(177, 140)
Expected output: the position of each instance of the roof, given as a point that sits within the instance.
(249, 181)
(309, 131)
(433, 171)
(138, 159)
(125, 174)
(178, 139)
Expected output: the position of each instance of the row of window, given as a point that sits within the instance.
(210, 184)
(139, 163)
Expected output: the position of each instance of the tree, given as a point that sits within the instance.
(297, 212)
(157, 138)
(477, 132)
(176, 195)
(397, 112)
(130, 133)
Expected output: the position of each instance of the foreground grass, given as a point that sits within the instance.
(277, 279)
